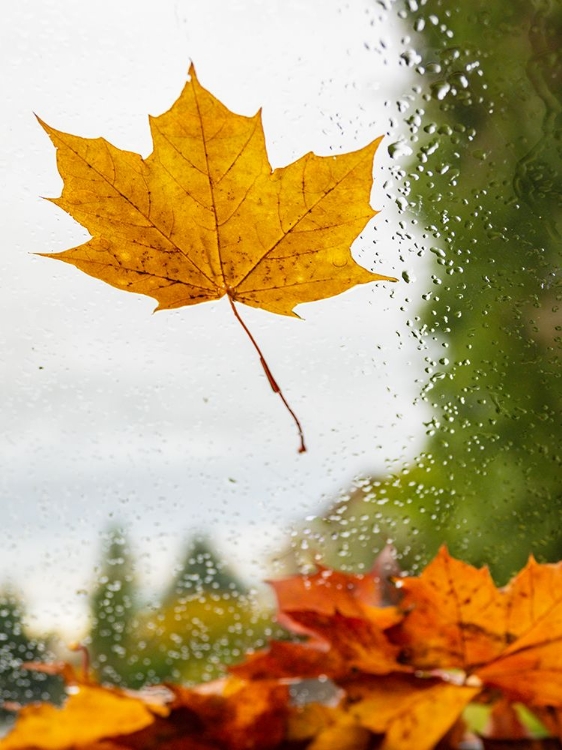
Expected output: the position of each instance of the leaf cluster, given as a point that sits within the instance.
(409, 661)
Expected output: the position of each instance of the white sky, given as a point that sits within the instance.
(166, 422)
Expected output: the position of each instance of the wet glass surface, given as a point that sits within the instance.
(150, 478)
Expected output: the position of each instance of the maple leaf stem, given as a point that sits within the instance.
(80, 648)
(269, 375)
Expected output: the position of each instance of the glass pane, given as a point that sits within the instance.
(151, 478)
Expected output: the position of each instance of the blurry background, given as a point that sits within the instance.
(149, 477)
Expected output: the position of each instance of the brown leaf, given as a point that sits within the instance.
(286, 660)
(345, 628)
(327, 603)
(504, 722)
(551, 718)
(354, 643)
(237, 715)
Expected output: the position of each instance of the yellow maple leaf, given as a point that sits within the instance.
(205, 216)
(91, 713)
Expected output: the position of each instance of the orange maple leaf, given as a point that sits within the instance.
(342, 616)
(454, 616)
(411, 713)
(508, 638)
(407, 672)
(529, 669)
(204, 216)
(326, 592)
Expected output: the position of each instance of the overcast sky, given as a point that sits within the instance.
(166, 422)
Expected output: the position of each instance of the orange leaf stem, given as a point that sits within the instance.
(80, 648)
(269, 375)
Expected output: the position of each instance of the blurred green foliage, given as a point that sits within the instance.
(114, 608)
(484, 194)
(19, 686)
(205, 619)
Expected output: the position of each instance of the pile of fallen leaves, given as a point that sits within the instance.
(396, 663)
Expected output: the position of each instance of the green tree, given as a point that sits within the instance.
(114, 609)
(484, 187)
(202, 570)
(18, 685)
(207, 618)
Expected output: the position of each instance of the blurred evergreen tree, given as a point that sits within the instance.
(18, 685)
(484, 195)
(114, 610)
(207, 619)
(202, 571)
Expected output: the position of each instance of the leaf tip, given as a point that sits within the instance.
(51, 200)
(380, 277)
(47, 128)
